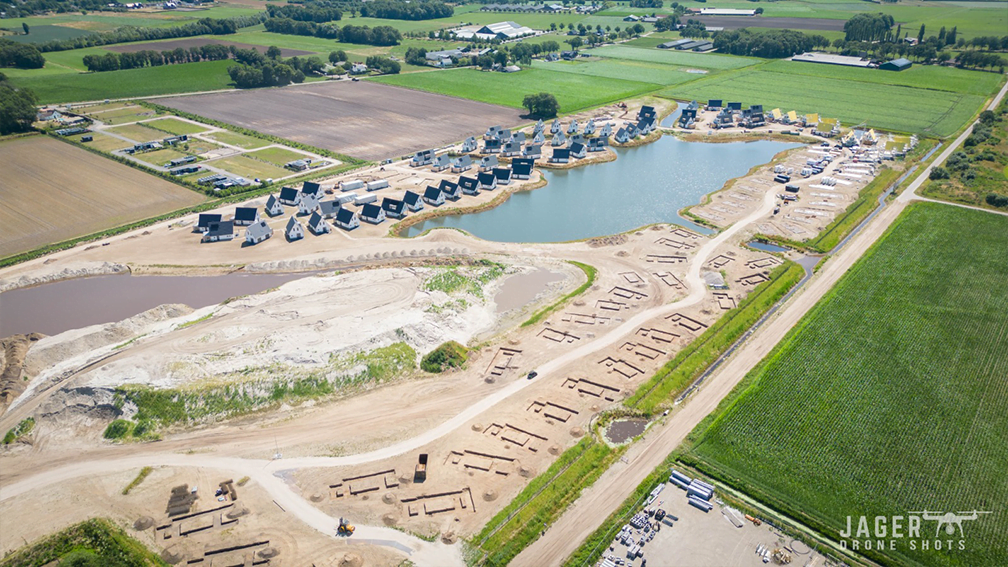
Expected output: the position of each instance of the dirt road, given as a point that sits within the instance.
(617, 483)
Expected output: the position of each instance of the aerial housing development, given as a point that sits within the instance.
(604, 284)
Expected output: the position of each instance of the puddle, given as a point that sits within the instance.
(623, 430)
(519, 290)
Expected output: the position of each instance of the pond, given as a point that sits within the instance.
(766, 246)
(646, 184)
(72, 304)
(623, 430)
(520, 289)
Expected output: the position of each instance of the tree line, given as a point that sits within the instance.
(17, 9)
(768, 44)
(253, 69)
(17, 107)
(378, 35)
(20, 55)
(151, 58)
(415, 10)
(126, 34)
(305, 13)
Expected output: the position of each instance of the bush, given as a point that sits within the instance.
(118, 429)
(995, 200)
(449, 355)
(938, 173)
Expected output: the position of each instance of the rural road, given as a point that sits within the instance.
(620, 480)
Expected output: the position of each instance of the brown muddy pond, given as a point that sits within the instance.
(519, 290)
(60, 306)
(623, 430)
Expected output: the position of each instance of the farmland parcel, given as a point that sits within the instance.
(364, 119)
(53, 191)
(916, 419)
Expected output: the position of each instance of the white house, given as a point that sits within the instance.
(273, 206)
(317, 224)
(258, 232)
(294, 230)
(347, 219)
(434, 196)
(372, 213)
(308, 204)
(413, 201)
(245, 216)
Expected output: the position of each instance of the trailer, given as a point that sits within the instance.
(377, 184)
(347, 198)
(364, 199)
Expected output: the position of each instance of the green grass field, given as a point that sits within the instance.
(176, 126)
(239, 140)
(102, 142)
(889, 107)
(919, 76)
(916, 419)
(149, 81)
(620, 69)
(46, 32)
(138, 132)
(673, 57)
(160, 157)
(573, 92)
(250, 168)
(276, 156)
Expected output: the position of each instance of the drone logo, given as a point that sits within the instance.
(950, 520)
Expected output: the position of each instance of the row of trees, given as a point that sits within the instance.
(17, 107)
(313, 12)
(125, 34)
(414, 10)
(254, 69)
(151, 58)
(378, 35)
(20, 55)
(870, 27)
(17, 9)
(769, 43)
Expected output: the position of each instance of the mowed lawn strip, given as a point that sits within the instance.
(890, 395)
(573, 92)
(889, 107)
(84, 193)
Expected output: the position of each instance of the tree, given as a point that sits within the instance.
(337, 56)
(920, 34)
(273, 52)
(543, 105)
(24, 26)
(575, 42)
(17, 107)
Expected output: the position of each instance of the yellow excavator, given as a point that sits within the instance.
(345, 528)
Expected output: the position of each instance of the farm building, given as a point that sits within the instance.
(533, 151)
(500, 30)
(298, 164)
(831, 59)
(469, 185)
(568, 55)
(433, 196)
(578, 150)
(488, 163)
(372, 213)
(461, 163)
(258, 232)
(317, 224)
(293, 231)
(219, 231)
(674, 44)
(413, 201)
(329, 209)
(204, 221)
(521, 168)
(900, 64)
(503, 175)
(377, 184)
(451, 190)
(273, 206)
(347, 219)
(351, 185)
(308, 204)
(358, 68)
(245, 216)
(469, 145)
(290, 196)
(441, 163)
(487, 181)
(511, 69)
(560, 155)
(423, 157)
(394, 208)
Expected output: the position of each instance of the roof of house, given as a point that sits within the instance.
(246, 213)
(392, 205)
(463, 161)
(344, 215)
(561, 153)
(432, 193)
(258, 229)
(315, 219)
(502, 173)
(577, 148)
(220, 228)
(523, 168)
(288, 194)
(442, 160)
(272, 201)
(488, 161)
(206, 218)
(467, 182)
(311, 188)
(290, 224)
(329, 207)
(486, 177)
(370, 210)
(411, 198)
(448, 186)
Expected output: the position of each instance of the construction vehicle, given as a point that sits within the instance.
(345, 528)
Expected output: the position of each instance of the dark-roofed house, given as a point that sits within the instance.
(372, 213)
(294, 230)
(632, 131)
(273, 206)
(317, 224)
(511, 148)
(487, 181)
(735, 106)
(568, 55)
(347, 219)
(423, 157)
(503, 175)
(646, 126)
(413, 201)
(394, 208)
(533, 151)
(219, 231)
(290, 196)
(900, 64)
(714, 104)
(433, 196)
(560, 155)
(598, 144)
(245, 216)
(258, 232)
(688, 118)
(488, 163)
(204, 221)
(492, 146)
(308, 204)
(521, 168)
(578, 150)
(441, 163)
(329, 209)
(622, 136)
(451, 190)
(646, 112)
(469, 145)
(469, 185)
(313, 189)
(461, 164)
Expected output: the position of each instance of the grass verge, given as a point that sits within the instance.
(590, 272)
(448, 355)
(92, 542)
(136, 481)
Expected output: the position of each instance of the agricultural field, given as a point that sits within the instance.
(673, 57)
(889, 107)
(620, 69)
(917, 420)
(573, 92)
(919, 76)
(84, 193)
